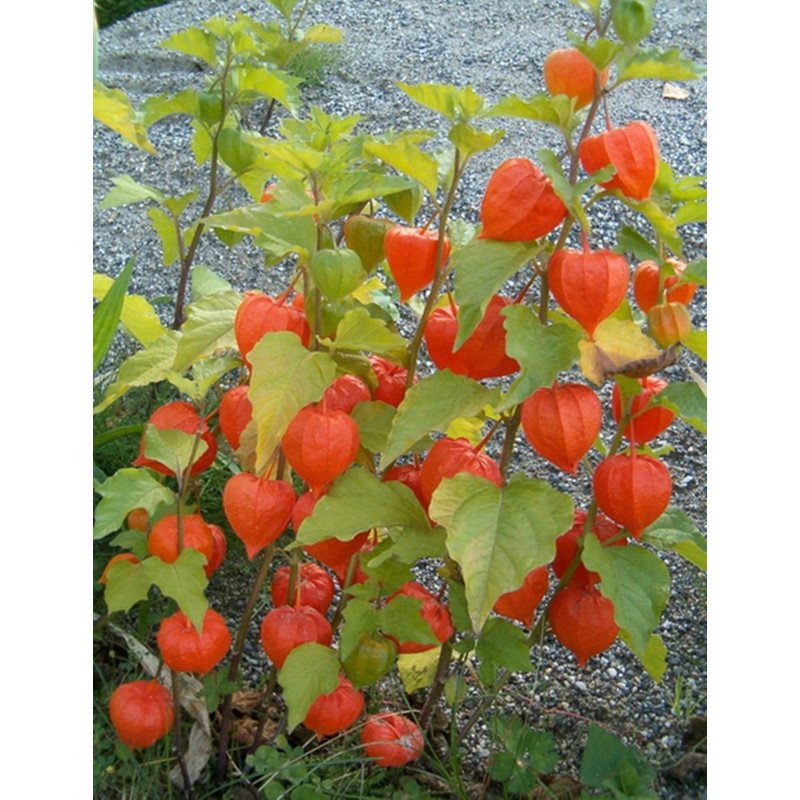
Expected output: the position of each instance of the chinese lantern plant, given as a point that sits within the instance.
(386, 468)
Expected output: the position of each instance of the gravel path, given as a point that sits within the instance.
(497, 46)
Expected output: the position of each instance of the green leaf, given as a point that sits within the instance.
(675, 531)
(662, 65)
(107, 314)
(184, 581)
(431, 405)
(194, 42)
(696, 272)
(207, 373)
(401, 618)
(445, 99)
(206, 282)
(208, 329)
(285, 378)
(601, 52)
(138, 316)
(359, 331)
(608, 763)
(405, 204)
(541, 107)
(309, 671)
(113, 108)
(635, 580)
(470, 140)
(631, 241)
(498, 536)
(360, 618)
(125, 490)
(358, 501)
(410, 545)
(281, 86)
(480, 269)
(687, 400)
(127, 585)
(457, 603)
(374, 419)
(175, 449)
(406, 157)
(696, 342)
(235, 151)
(653, 656)
(503, 644)
(132, 540)
(126, 191)
(543, 351)
(157, 107)
(164, 226)
(662, 223)
(691, 212)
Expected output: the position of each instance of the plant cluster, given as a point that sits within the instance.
(350, 464)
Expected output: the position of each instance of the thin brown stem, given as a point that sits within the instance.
(438, 685)
(238, 650)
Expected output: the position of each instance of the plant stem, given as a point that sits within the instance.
(438, 279)
(438, 685)
(512, 426)
(233, 668)
(178, 738)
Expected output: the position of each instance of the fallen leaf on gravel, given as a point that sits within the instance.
(245, 701)
(673, 92)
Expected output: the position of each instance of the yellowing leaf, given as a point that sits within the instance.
(616, 344)
(466, 428)
(113, 108)
(417, 670)
(138, 316)
(364, 292)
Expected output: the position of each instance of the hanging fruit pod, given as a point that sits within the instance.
(588, 285)
(583, 621)
(562, 423)
(521, 603)
(411, 256)
(482, 355)
(634, 490)
(519, 203)
(632, 150)
(647, 289)
(258, 509)
(320, 444)
(568, 71)
(644, 425)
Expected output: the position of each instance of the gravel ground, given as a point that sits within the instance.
(499, 49)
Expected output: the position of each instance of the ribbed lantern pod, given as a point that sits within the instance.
(634, 490)
(287, 627)
(519, 203)
(345, 393)
(483, 354)
(258, 509)
(649, 291)
(392, 740)
(391, 379)
(235, 412)
(632, 150)
(314, 587)
(562, 423)
(179, 416)
(260, 314)
(333, 712)
(163, 540)
(644, 425)
(141, 712)
(320, 444)
(447, 458)
(409, 475)
(184, 649)
(521, 603)
(583, 620)
(411, 256)
(570, 72)
(588, 284)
